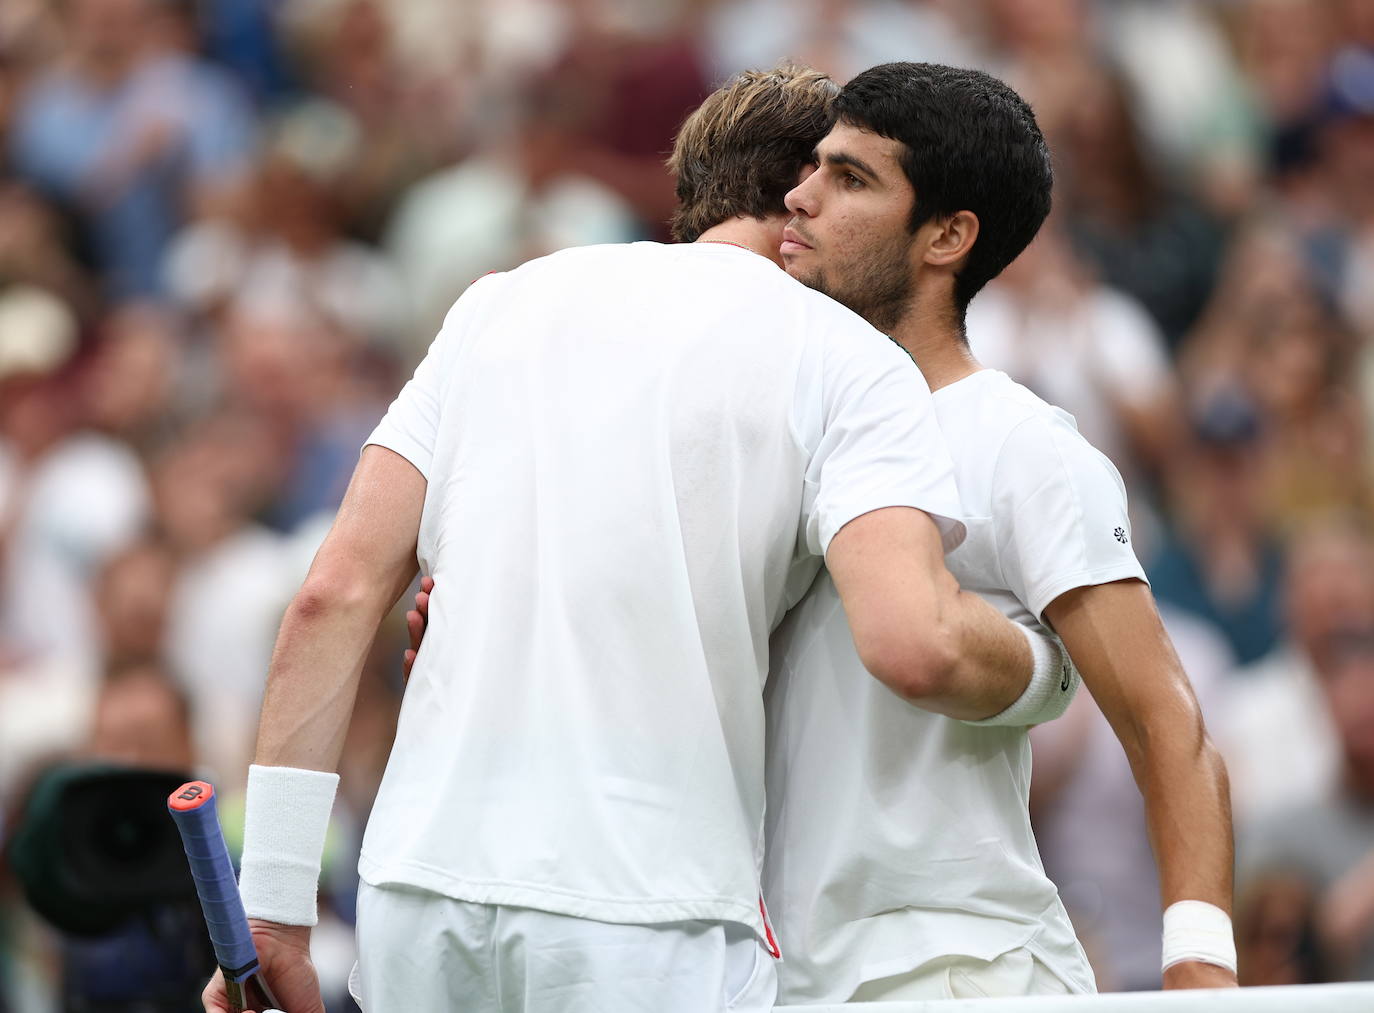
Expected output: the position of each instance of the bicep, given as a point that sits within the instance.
(886, 565)
(879, 445)
(1118, 643)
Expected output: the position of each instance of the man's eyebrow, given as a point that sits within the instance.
(841, 160)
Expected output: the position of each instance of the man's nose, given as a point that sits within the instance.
(801, 199)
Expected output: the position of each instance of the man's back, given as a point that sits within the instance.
(635, 456)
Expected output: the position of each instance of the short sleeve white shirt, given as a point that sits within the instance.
(636, 456)
(1089, 355)
(896, 835)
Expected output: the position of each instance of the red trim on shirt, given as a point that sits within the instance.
(768, 931)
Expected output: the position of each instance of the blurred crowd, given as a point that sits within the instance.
(229, 229)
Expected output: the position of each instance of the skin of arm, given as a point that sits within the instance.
(363, 567)
(944, 649)
(1116, 639)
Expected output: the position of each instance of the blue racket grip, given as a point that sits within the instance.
(193, 808)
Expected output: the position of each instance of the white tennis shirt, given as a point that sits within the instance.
(896, 835)
(635, 456)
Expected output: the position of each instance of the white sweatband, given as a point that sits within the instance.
(1051, 689)
(284, 825)
(1196, 930)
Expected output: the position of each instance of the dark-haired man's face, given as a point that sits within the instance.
(849, 235)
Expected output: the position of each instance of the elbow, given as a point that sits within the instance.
(325, 596)
(916, 666)
(1165, 740)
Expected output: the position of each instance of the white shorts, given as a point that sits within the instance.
(1014, 973)
(422, 951)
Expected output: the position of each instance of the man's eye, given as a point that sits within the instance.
(852, 182)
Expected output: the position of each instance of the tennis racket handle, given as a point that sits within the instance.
(250, 994)
(193, 808)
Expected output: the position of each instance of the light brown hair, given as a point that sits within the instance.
(743, 148)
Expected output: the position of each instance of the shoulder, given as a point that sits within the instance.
(627, 267)
(1042, 441)
(998, 419)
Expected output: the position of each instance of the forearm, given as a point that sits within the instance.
(1188, 820)
(313, 679)
(992, 662)
(1115, 637)
(1188, 815)
(311, 688)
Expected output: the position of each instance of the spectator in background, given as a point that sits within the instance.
(289, 247)
(1142, 234)
(50, 473)
(141, 721)
(34, 250)
(1217, 559)
(840, 37)
(516, 200)
(1300, 370)
(1274, 731)
(635, 78)
(1271, 340)
(229, 593)
(241, 36)
(1049, 51)
(133, 595)
(47, 665)
(1313, 860)
(299, 381)
(129, 381)
(1198, 124)
(125, 128)
(29, 38)
(355, 63)
(1282, 47)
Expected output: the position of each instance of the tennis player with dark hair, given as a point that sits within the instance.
(621, 464)
(901, 862)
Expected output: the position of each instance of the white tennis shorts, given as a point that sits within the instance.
(1014, 973)
(422, 951)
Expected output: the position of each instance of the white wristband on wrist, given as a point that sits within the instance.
(1196, 930)
(1051, 689)
(283, 842)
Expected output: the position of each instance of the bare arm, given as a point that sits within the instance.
(942, 648)
(1115, 637)
(364, 565)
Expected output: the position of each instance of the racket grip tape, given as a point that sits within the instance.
(193, 809)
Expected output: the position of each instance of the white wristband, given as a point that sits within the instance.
(283, 842)
(1196, 930)
(1051, 689)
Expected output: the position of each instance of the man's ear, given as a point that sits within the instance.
(953, 239)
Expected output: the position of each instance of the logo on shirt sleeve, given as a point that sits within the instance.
(1120, 535)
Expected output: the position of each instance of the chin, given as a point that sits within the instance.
(808, 276)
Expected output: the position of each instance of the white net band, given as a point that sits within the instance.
(1344, 998)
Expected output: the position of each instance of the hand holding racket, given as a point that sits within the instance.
(247, 957)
